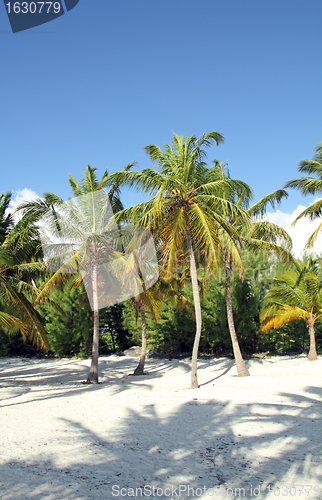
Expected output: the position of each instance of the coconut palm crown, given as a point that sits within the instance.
(310, 185)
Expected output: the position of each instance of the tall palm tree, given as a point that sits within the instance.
(257, 236)
(297, 294)
(185, 211)
(84, 227)
(310, 185)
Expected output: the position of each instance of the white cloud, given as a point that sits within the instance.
(299, 233)
(22, 195)
(19, 197)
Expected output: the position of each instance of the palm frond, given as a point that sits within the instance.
(260, 208)
(271, 233)
(314, 211)
(307, 185)
(34, 328)
(283, 316)
(10, 324)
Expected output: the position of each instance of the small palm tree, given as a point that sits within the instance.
(297, 294)
(151, 300)
(185, 212)
(310, 185)
(141, 303)
(140, 271)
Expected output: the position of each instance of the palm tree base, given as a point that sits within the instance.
(92, 378)
(242, 370)
(139, 371)
(194, 380)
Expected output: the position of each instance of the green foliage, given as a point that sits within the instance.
(114, 336)
(174, 332)
(291, 337)
(214, 318)
(69, 335)
(132, 324)
(246, 310)
(15, 345)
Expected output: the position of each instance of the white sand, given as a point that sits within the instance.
(61, 439)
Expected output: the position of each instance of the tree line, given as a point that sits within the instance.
(227, 280)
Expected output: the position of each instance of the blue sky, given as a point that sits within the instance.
(100, 83)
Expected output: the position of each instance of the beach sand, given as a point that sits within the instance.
(247, 437)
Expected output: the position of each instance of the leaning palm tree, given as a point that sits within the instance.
(297, 294)
(258, 236)
(185, 212)
(310, 185)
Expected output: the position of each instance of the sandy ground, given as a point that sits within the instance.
(153, 437)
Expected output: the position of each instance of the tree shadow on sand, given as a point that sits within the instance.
(49, 380)
(218, 449)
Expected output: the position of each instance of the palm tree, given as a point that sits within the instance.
(140, 304)
(297, 294)
(18, 292)
(257, 236)
(151, 300)
(85, 228)
(140, 272)
(310, 185)
(185, 212)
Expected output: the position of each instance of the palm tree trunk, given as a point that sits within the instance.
(312, 353)
(113, 342)
(240, 363)
(196, 300)
(93, 372)
(139, 370)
